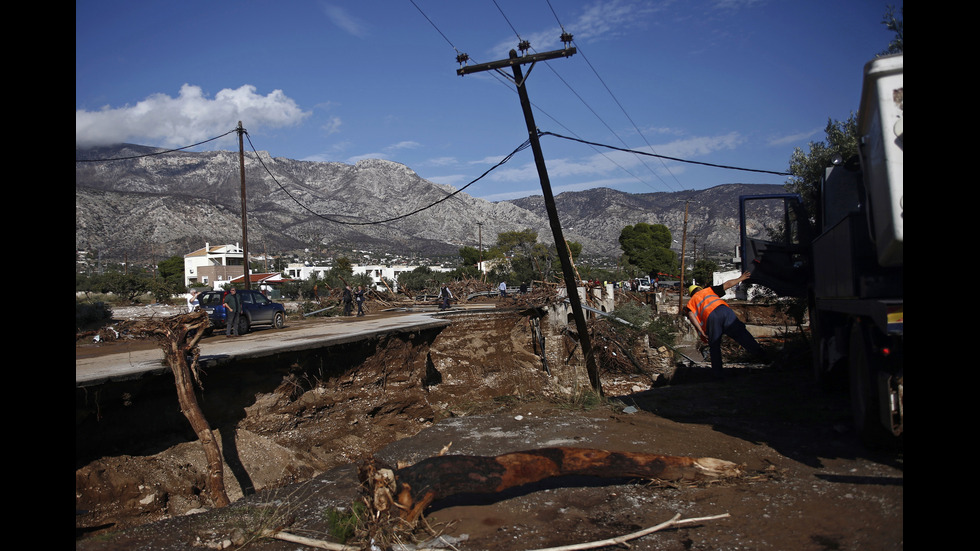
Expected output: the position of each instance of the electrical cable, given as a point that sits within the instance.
(520, 148)
(156, 153)
(726, 167)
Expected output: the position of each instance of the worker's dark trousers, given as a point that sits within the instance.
(723, 321)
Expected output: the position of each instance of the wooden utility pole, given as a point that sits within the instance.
(680, 300)
(480, 265)
(571, 284)
(241, 163)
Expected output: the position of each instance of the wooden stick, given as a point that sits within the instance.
(620, 539)
(319, 544)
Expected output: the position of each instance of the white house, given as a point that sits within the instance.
(214, 266)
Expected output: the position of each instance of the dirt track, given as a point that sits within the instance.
(808, 483)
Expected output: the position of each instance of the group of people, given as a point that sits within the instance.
(351, 296)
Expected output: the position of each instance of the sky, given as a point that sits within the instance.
(735, 83)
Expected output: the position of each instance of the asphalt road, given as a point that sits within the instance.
(95, 370)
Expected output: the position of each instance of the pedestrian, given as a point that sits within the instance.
(192, 302)
(233, 311)
(523, 287)
(359, 297)
(503, 289)
(348, 299)
(446, 295)
(712, 318)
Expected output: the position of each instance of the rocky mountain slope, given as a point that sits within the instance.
(160, 205)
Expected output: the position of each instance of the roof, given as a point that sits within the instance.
(216, 249)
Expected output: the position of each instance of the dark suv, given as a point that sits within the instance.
(257, 309)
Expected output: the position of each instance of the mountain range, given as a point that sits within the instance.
(135, 201)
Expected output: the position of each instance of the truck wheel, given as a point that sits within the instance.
(865, 404)
(244, 325)
(279, 321)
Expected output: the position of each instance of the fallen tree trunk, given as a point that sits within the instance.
(178, 337)
(409, 490)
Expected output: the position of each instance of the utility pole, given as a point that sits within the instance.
(241, 163)
(480, 265)
(571, 284)
(680, 300)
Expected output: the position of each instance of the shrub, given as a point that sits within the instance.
(91, 315)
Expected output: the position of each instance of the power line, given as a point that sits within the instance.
(566, 37)
(394, 218)
(155, 153)
(726, 167)
(613, 96)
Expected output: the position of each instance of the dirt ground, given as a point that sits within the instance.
(479, 388)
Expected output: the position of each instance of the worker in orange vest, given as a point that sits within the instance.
(712, 317)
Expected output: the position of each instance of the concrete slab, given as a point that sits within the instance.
(258, 344)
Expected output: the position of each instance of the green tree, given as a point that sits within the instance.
(807, 167)
(418, 280)
(894, 24)
(343, 266)
(703, 271)
(470, 256)
(647, 246)
(172, 271)
(513, 242)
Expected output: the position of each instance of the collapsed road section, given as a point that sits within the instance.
(286, 416)
(266, 344)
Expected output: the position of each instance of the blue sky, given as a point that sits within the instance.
(727, 82)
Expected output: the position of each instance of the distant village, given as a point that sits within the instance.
(215, 266)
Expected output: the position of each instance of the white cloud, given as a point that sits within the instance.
(795, 138)
(186, 119)
(343, 19)
(332, 126)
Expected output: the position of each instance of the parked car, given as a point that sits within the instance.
(257, 309)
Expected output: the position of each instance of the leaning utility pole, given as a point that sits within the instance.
(241, 163)
(680, 299)
(571, 284)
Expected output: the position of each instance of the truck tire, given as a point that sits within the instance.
(279, 321)
(865, 403)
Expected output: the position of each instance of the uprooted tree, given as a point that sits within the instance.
(178, 336)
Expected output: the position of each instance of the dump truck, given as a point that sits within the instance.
(846, 259)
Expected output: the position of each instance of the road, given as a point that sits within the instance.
(98, 369)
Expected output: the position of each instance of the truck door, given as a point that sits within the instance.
(775, 237)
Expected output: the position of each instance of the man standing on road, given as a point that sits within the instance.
(348, 300)
(233, 311)
(503, 289)
(446, 296)
(359, 297)
(712, 317)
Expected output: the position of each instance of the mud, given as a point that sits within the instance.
(292, 435)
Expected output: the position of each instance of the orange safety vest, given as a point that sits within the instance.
(703, 303)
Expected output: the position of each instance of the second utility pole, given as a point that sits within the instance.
(561, 247)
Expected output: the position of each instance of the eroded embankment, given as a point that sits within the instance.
(287, 419)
